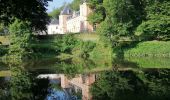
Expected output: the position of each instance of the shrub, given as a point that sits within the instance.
(82, 49)
(68, 43)
(20, 38)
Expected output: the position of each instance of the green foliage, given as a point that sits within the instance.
(123, 16)
(68, 43)
(55, 13)
(33, 11)
(1, 28)
(121, 85)
(157, 28)
(20, 38)
(157, 7)
(20, 84)
(98, 14)
(75, 5)
(96, 17)
(54, 45)
(83, 49)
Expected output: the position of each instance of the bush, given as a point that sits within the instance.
(83, 49)
(68, 42)
(20, 38)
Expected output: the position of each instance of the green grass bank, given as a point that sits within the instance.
(149, 49)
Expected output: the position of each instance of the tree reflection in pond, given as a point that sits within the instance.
(130, 85)
(119, 80)
(24, 85)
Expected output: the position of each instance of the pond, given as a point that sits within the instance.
(85, 79)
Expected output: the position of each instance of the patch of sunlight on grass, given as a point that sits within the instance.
(4, 40)
(150, 62)
(87, 36)
(5, 73)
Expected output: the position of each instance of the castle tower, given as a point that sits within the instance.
(64, 14)
(84, 9)
(84, 12)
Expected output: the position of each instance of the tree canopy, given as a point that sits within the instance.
(33, 11)
(124, 19)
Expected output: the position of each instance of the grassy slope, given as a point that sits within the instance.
(150, 48)
(4, 40)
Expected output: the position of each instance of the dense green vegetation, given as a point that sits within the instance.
(33, 11)
(117, 22)
(20, 39)
(128, 29)
(131, 20)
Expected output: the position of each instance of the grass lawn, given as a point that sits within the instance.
(149, 49)
(4, 40)
(87, 36)
(150, 62)
(5, 73)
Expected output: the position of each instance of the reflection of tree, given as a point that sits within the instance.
(129, 85)
(4, 95)
(20, 84)
(40, 89)
(25, 86)
(71, 67)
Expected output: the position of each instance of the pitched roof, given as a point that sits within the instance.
(66, 11)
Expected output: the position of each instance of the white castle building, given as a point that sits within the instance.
(71, 21)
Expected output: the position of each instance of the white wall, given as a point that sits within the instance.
(73, 25)
(53, 29)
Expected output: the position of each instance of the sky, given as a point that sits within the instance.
(56, 4)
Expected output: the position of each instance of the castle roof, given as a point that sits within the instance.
(66, 11)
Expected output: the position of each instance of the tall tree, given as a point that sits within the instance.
(75, 5)
(20, 38)
(157, 23)
(98, 14)
(55, 13)
(33, 11)
(124, 15)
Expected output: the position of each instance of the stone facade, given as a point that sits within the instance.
(71, 21)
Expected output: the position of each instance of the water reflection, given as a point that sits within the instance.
(76, 88)
(131, 85)
(72, 79)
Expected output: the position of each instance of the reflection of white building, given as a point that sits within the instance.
(81, 83)
(71, 21)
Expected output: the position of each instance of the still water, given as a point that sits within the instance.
(84, 79)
